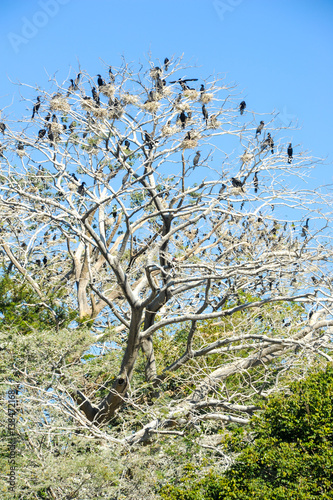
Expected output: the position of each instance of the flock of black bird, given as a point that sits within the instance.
(183, 118)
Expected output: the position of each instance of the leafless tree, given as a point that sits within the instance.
(104, 211)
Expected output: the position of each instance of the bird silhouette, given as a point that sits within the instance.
(255, 182)
(242, 106)
(290, 153)
(81, 189)
(2, 127)
(260, 127)
(111, 75)
(237, 183)
(36, 107)
(76, 81)
(205, 113)
(41, 134)
(166, 64)
(196, 159)
(100, 81)
(95, 96)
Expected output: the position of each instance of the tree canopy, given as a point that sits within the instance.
(169, 263)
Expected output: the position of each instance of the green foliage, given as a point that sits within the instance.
(291, 456)
(21, 307)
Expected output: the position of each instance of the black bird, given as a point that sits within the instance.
(114, 212)
(166, 64)
(260, 127)
(242, 106)
(47, 117)
(255, 182)
(205, 113)
(76, 81)
(44, 260)
(290, 153)
(74, 177)
(41, 134)
(38, 262)
(237, 183)
(223, 188)
(71, 87)
(54, 119)
(183, 118)
(196, 159)
(95, 96)
(305, 228)
(271, 143)
(20, 146)
(149, 140)
(268, 142)
(80, 189)
(100, 81)
(182, 82)
(202, 89)
(127, 144)
(111, 75)
(36, 107)
(2, 127)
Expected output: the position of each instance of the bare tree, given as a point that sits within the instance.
(119, 200)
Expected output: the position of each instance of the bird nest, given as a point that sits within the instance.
(169, 130)
(100, 112)
(206, 98)
(191, 94)
(166, 91)
(192, 141)
(115, 112)
(56, 128)
(59, 104)
(88, 104)
(151, 106)
(155, 73)
(213, 123)
(108, 89)
(182, 106)
(129, 99)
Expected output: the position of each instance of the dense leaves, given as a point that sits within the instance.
(291, 456)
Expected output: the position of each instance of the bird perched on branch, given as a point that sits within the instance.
(95, 96)
(237, 183)
(76, 81)
(111, 75)
(166, 64)
(242, 106)
(182, 82)
(260, 127)
(81, 189)
(255, 182)
(100, 81)
(71, 87)
(183, 118)
(36, 107)
(205, 113)
(2, 127)
(290, 153)
(196, 159)
(268, 142)
(305, 228)
(41, 134)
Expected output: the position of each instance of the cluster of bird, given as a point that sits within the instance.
(53, 131)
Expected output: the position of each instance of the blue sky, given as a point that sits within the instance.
(279, 53)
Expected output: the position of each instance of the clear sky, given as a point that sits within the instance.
(279, 52)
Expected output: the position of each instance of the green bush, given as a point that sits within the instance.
(291, 456)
